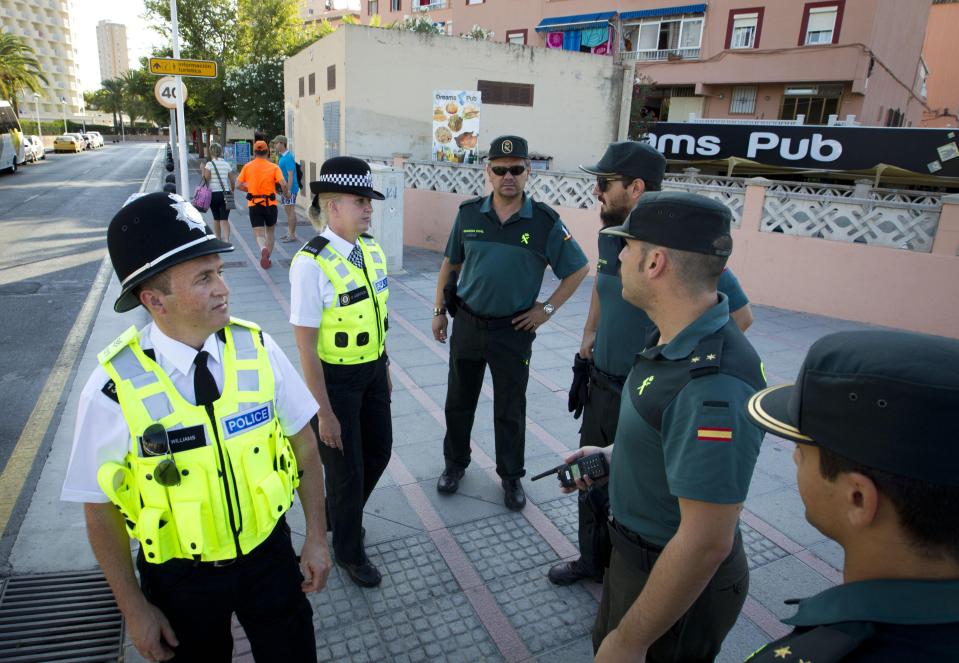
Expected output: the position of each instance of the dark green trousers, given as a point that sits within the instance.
(698, 635)
(507, 352)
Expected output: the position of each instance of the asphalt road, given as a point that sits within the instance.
(53, 220)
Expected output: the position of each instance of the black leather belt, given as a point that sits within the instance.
(605, 380)
(633, 537)
(484, 322)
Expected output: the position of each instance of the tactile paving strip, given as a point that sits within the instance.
(413, 571)
(502, 545)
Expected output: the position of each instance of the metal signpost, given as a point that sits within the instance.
(165, 92)
(178, 67)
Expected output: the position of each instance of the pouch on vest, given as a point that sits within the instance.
(157, 535)
(118, 485)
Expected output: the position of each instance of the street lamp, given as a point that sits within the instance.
(36, 101)
(63, 107)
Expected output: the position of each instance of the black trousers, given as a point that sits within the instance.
(360, 398)
(507, 352)
(600, 419)
(263, 589)
(698, 635)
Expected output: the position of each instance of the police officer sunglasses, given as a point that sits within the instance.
(501, 171)
(156, 442)
(602, 182)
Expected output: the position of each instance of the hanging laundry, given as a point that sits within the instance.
(572, 40)
(554, 40)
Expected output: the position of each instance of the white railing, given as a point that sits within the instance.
(693, 117)
(850, 213)
(662, 54)
(435, 4)
(861, 220)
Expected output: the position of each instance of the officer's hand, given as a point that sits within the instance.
(151, 633)
(439, 327)
(586, 347)
(585, 482)
(330, 430)
(315, 565)
(532, 319)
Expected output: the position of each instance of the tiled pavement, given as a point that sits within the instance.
(464, 578)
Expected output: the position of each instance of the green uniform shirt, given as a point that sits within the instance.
(885, 620)
(613, 351)
(503, 264)
(683, 430)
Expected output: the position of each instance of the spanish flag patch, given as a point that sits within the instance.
(714, 434)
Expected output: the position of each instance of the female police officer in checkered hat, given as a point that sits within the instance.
(338, 311)
(191, 435)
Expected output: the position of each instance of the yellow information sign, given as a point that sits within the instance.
(172, 67)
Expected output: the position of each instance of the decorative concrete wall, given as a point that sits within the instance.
(853, 271)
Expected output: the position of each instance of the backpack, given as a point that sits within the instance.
(299, 175)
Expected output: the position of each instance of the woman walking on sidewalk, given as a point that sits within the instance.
(216, 174)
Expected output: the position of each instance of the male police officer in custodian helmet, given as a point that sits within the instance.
(873, 416)
(192, 435)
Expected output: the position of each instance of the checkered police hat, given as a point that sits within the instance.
(345, 175)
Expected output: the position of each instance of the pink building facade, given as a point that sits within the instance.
(733, 59)
(941, 55)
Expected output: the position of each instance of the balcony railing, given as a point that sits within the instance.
(435, 4)
(665, 54)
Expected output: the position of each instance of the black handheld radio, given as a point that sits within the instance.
(593, 466)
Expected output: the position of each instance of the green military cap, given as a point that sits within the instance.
(508, 146)
(885, 399)
(633, 159)
(675, 220)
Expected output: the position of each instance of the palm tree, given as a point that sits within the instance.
(113, 99)
(19, 68)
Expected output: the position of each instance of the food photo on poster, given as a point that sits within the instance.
(456, 122)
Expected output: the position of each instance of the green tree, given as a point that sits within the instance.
(641, 120)
(19, 69)
(258, 89)
(112, 99)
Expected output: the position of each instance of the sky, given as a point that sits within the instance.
(86, 14)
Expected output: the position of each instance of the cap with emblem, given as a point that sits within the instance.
(632, 159)
(152, 233)
(345, 175)
(885, 399)
(508, 146)
(675, 220)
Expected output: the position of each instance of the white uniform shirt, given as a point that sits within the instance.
(222, 168)
(310, 287)
(101, 432)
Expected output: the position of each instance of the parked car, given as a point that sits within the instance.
(97, 138)
(80, 139)
(33, 148)
(68, 143)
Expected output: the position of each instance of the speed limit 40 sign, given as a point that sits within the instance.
(165, 91)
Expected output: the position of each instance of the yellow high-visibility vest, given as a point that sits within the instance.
(234, 487)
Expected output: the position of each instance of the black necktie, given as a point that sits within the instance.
(204, 386)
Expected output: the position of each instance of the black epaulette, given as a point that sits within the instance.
(706, 357)
(110, 391)
(315, 245)
(472, 201)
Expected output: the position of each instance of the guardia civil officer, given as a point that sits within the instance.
(684, 451)
(338, 300)
(496, 256)
(191, 436)
(873, 417)
(626, 171)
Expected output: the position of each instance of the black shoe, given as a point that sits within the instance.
(515, 498)
(364, 575)
(449, 481)
(566, 573)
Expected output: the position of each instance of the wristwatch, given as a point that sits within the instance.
(548, 308)
(439, 310)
